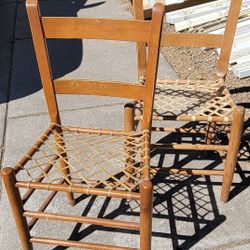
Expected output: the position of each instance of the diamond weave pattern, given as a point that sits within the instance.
(191, 97)
(95, 158)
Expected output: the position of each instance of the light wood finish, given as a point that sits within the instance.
(210, 133)
(226, 47)
(233, 149)
(180, 130)
(129, 126)
(187, 118)
(214, 105)
(81, 190)
(97, 131)
(140, 46)
(15, 200)
(191, 40)
(81, 245)
(129, 114)
(164, 171)
(43, 59)
(84, 219)
(88, 87)
(76, 152)
(146, 207)
(152, 66)
(106, 29)
(186, 146)
(64, 169)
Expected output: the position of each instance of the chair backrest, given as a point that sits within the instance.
(149, 32)
(224, 42)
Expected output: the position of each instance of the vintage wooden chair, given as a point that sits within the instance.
(89, 161)
(201, 101)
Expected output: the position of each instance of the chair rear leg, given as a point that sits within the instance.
(146, 211)
(66, 172)
(15, 200)
(60, 144)
(210, 133)
(129, 115)
(129, 126)
(233, 149)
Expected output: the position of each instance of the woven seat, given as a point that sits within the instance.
(188, 100)
(95, 158)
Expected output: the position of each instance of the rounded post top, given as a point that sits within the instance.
(7, 171)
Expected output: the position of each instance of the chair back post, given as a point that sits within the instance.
(138, 31)
(42, 58)
(140, 47)
(228, 38)
(152, 65)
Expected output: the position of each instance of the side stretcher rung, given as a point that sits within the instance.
(83, 219)
(191, 40)
(71, 243)
(201, 172)
(186, 146)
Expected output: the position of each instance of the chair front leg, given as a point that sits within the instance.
(15, 200)
(146, 212)
(233, 149)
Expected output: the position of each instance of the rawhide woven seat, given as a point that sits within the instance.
(95, 158)
(89, 161)
(207, 104)
(191, 100)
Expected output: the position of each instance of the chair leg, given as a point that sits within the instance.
(210, 133)
(129, 115)
(65, 170)
(146, 210)
(129, 126)
(17, 207)
(60, 144)
(233, 149)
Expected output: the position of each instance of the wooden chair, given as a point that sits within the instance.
(201, 101)
(88, 161)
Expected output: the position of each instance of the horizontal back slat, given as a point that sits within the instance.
(108, 29)
(102, 88)
(191, 40)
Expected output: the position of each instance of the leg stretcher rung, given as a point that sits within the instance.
(82, 219)
(71, 243)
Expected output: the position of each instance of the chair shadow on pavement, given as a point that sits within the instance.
(179, 202)
(184, 208)
(65, 54)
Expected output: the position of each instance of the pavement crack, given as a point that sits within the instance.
(8, 90)
(67, 110)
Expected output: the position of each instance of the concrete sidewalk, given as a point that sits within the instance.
(187, 211)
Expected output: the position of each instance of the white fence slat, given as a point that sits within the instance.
(196, 11)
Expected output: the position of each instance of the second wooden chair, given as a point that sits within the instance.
(205, 101)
